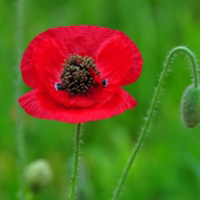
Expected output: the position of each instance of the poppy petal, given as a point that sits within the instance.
(116, 57)
(113, 58)
(29, 73)
(48, 56)
(136, 66)
(39, 103)
(82, 40)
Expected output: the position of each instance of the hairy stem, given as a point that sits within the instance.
(76, 161)
(19, 124)
(171, 54)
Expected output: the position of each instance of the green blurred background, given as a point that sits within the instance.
(168, 165)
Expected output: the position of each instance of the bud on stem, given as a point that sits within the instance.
(190, 106)
(38, 175)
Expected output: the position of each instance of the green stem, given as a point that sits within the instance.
(19, 124)
(152, 108)
(76, 161)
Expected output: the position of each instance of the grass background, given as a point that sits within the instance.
(168, 165)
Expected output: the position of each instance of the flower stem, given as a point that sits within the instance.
(19, 124)
(76, 161)
(171, 54)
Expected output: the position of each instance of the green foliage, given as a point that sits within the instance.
(167, 167)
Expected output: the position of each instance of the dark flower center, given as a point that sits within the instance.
(78, 74)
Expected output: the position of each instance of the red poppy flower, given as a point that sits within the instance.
(77, 72)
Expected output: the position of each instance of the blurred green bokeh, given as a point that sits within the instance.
(168, 165)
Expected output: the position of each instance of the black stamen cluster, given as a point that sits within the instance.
(76, 76)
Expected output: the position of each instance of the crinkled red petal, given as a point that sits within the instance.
(29, 73)
(83, 40)
(39, 103)
(117, 58)
(48, 57)
(136, 66)
(113, 59)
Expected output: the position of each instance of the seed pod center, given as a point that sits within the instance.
(78, 74)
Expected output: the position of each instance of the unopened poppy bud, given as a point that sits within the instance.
(38, 175)
(190, 107)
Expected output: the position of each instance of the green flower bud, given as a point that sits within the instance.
(38, 175)
(190, 107)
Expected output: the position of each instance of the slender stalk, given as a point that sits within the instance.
(76, 161)
(19, 124)
(171, 54)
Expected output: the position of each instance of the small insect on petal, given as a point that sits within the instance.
(58, 87)
(105, 82)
